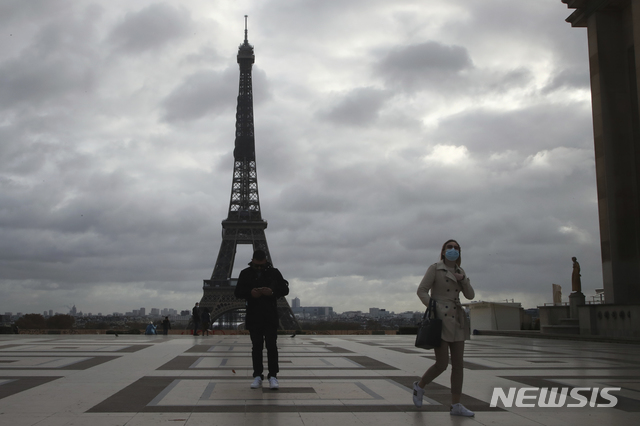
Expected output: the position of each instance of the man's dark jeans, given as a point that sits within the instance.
(260, 336)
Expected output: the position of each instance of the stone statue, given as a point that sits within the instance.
(557, 294)
(576, 285)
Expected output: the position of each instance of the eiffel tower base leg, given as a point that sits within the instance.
(221, 300)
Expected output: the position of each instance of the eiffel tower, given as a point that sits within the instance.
(244, 223)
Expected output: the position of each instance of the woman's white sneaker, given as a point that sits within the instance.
(257, 382)
(460, 410)
(418, 393)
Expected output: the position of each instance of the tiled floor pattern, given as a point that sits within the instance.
(139, 380)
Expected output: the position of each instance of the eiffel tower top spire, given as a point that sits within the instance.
(245, 30)
(245, 51)
(245, 204)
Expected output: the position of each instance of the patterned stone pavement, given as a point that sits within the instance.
(324, 380)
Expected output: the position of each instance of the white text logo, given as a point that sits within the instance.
(544, 397)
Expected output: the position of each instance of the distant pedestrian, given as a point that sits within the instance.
(166, 326)
(445, 280)
(195, 315)
(150, 330)
(205, 317)
(261, 285)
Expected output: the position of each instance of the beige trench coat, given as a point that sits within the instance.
(445, 290)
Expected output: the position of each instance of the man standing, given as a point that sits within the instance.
(195, 313)
(166, 325)
(261, 285)
(205, 317)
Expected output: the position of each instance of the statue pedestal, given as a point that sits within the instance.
(575, 299)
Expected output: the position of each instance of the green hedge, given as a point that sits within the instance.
(131, 331)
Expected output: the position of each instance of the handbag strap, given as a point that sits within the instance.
(431, 309)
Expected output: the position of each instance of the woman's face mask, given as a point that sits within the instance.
(452, 254)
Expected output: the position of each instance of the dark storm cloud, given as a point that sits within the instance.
(151, 28)
(200, 94)
(359, 107)
(382, 129)
(36, 10)
(414, 66)
(57, 63)
(207, 92)
(100, 227)
(571, 78)
(526, 130)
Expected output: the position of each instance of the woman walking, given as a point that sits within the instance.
(445, 280)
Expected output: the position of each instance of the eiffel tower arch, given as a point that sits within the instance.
(244, 223)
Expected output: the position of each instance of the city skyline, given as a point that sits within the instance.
(295, 303)
(382, 129)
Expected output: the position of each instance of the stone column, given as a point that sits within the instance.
(612, 28)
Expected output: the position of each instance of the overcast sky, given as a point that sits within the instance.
(382, 128)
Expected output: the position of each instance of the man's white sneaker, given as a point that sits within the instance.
(257, 382)
(418, 393)
(460, 410)
(273, 383)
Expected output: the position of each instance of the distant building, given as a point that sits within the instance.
(295, 303)
(351, 314)
(378, 313)
(155, 312)
(495, 316)
(142, 312)
(313, 312)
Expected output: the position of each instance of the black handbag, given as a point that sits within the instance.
(430, 331)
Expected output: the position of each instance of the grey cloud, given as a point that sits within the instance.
(42, 81)
(359, 107)
(305, 198)
(150, 28)
(200, 94)
(527, 130)
(501, 82)
(423, 210)
(53, 228)
(428, 63)
(104, 201)
(207, 92)
(12, 11)
(572, 78)
(205, 56)
(57, 64)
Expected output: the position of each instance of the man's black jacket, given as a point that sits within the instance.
(261, 311)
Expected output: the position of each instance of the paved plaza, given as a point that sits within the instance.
(324, 380)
